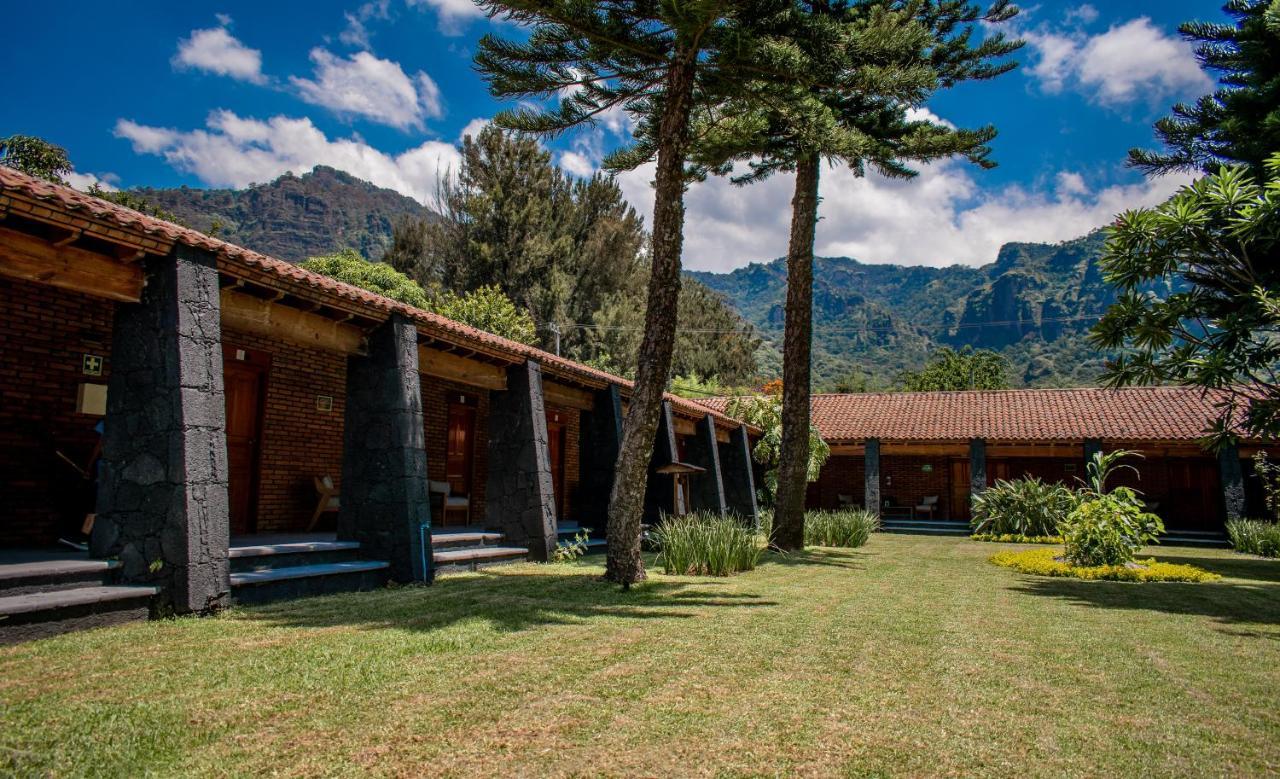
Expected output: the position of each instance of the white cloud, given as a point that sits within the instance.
(452, 15)
(577, 163)
(939, 218)
(473, 128)
(1084, 14)
(214, 50)
(921, 114)
(376, 89)
(85, 181)
(234, 151)
(356, 32)
(1130, 62)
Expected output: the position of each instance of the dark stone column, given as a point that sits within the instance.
(659, 487)
(707, 489)
(598, 441)
(162, 499)
(519, 495)
(1232, 477)
(1092, 446)
(871, 475)
(977, 467)
(384, 463)
(737, 472)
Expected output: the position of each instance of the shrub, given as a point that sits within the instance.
(1254, 536)
(1014, 538)
(847, 528)
(1108, 529)
(1022, 507)
(705, 544)
(1044, 562)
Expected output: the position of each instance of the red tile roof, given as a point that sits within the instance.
(1129, 414)
(24, 194)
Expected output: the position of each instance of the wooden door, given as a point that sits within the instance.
(244, 378)
(555, 448)
(959, 491)
(1193, 501)
(460, 450)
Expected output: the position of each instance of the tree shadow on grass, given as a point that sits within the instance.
(507, 601)
(836, 558)
(1225, 602)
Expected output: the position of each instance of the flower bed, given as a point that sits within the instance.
(1014, 538)
(1049, 562)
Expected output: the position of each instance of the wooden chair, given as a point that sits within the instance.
(928, 505)
(327, 500)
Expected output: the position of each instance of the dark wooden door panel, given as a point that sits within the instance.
(244, 383)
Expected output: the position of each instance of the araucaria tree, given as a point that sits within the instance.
(1239, 124)
(870, 64)
(657, 60)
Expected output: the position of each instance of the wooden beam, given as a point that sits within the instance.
(684, 426)
(249, 314)
(567, 397)
(68, 267)
(434, 362)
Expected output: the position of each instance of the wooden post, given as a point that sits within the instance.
(1232, 478)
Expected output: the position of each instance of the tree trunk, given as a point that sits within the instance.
(626, 500)
(793, 465)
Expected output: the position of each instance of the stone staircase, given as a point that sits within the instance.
(925, 527)
(262, 572)
(457, 550)
(63, 592)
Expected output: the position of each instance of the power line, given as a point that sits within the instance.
(853, 329)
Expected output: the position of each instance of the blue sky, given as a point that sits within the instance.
(228, 93)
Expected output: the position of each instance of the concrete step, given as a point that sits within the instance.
(261, 557)
(452, 539)
(1195, 538)
(925, 528)
(54, 575)
(42, 614)
(299, 581)
(476, 557)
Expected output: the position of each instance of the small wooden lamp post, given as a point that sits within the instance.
(680, 473)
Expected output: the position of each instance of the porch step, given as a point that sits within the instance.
(569, 531)
(54, 575)
(42, 614)
(1201, 538)
(476, 557)
(298, 553)
(924, 527)
(298, 581)
(455, 539)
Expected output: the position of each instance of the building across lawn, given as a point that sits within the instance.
(238, 396)
(920, 456)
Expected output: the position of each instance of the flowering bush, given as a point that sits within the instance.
(1109, 529)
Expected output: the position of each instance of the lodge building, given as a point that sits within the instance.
(916, 458)
(235, 391)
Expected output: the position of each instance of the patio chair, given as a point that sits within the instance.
(928, 505)
(326, 500)
(845, 501)
(449, 503)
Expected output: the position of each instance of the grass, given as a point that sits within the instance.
(909, 656)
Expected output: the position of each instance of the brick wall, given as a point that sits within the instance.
(299, 441)
(43, 334)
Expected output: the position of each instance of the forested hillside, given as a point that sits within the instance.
(295, 217)
(1034, 304)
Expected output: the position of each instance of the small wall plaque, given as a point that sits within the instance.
(91, 364)
(926, 468)
(324, 403)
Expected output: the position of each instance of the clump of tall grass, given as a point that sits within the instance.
(844, 527)
(706, 544)
(1254, 536)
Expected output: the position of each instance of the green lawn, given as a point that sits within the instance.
(910, 656)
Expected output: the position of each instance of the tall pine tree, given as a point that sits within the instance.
(657, 60)
(872, 61)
